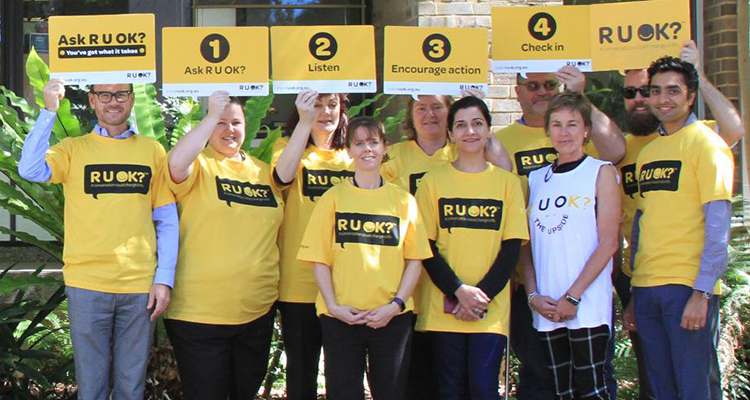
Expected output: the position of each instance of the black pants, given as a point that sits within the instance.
(350, 349)
(302, 336)
(535, 381)
(422, 383)
(221, 361)
(576, 358)
(622, 286)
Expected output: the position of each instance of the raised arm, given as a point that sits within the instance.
(286, 167)
(33, 166)
(728, 120)
(183, 155)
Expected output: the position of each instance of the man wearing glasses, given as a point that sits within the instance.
(119, 215)
(642, 125)
(530, 148)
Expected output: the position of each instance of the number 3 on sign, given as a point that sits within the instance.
(542, 26)
(436, 47)
(323, 46)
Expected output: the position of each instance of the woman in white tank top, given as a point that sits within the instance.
(574, 214)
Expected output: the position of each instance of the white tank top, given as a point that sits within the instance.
(562, 222)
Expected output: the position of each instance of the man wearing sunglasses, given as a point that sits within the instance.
(530, 148)
(119, 213)
(642, 125)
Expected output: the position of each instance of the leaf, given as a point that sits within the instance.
(256, 108)
(264, 151)
(391, 123)
(149, 121)
(356, 110)
(190, 116)
(38, 73)
(11, 283)
(383, 106)
(53, 248)
(66, 125)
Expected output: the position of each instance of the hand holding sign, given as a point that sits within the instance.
(53, 92)
(573, 78)
(305, 104)
(217, 103)
(691, 54)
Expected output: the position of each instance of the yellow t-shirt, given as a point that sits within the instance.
(318, 171)
(364, 235)
(407, 163)
(111, 188)
(228, 265)
(530, 149)
(469, 215)
(629, 188)
(677, 174)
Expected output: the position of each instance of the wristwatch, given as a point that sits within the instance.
(400, 303)
(705, 295)
(531, 296)
(572, 300)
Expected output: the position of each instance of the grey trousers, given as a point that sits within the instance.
(111, 335)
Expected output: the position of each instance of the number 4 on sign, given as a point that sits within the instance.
(542, 27)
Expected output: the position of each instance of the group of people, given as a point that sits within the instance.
(418, 262)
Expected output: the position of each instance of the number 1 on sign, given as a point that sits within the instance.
(216, 47)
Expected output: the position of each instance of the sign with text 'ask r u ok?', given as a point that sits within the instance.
(102, 49)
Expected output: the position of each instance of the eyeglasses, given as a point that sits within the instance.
(121, 96)
(533, 86)
(629, 92)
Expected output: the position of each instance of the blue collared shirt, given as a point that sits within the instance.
(33, 167)
(690, 120)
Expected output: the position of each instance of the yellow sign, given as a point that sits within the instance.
(632, 35)
(103, 49)
(540, 39)
(199, 61)
(329, 59)
(434, 61)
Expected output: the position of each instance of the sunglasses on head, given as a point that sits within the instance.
(629, 92)
(533, 86)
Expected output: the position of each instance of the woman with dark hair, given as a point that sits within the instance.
(475, 220)
(306, 164)
(220, 319)
(426, 148)
(574, 214)
(366, 242)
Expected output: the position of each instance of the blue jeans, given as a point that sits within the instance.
(111, 333)
(535, 381)
(468, 365)
(678, 361)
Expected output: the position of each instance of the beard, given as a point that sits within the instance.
(640, 124)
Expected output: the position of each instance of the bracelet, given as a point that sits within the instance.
(572, 300)
(531, 297)
(400, 303)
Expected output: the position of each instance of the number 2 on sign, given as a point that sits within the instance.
(323, 47)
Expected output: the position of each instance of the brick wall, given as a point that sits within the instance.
(501, 96)
(720, 46)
